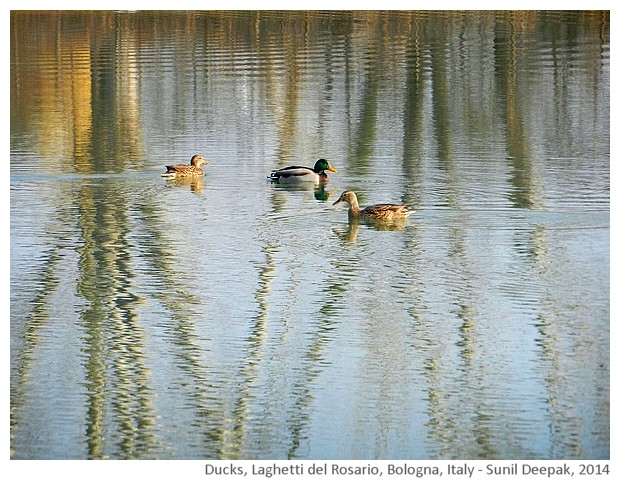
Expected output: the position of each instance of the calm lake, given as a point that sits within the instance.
(233, 318)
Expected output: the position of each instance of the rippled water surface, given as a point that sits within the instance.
(229, 317)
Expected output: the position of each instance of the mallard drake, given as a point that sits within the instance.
(381, 211)
(297, 174)
(191, 170)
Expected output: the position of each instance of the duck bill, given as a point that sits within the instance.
(331, 169)
(337, 202)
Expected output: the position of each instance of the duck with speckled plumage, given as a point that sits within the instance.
(191, 170)
(381, 211)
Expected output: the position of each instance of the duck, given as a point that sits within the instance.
(191, 170)
(381, 211)
(295, 174)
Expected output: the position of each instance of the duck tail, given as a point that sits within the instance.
(169, 171)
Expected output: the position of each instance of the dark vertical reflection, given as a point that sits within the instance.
(534, 245)
(29, 339)
(234, 447)
(509, 78)
(413, 116)
(116, 371)
(116, 99)
(296, 399)
(292, 42)
(321, 335)
(193, 385)
(366, 133)
(440, 83)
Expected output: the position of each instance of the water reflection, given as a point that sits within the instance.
(184, 346)
(30, 339)
(350, 233)
(227, 317)
(114, 340)
(195, 184)
(321, 192)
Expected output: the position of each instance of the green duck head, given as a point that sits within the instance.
(321, 165)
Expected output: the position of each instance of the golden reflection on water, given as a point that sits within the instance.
(195, 184)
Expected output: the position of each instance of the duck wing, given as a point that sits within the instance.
(182, 170)
(386, 210)
(294, 171)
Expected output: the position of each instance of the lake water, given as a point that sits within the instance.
(232, 318)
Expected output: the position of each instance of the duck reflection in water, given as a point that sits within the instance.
(320, 191)
(350, 233)
(195, 184)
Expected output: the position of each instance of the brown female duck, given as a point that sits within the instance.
(191, 170)
(381, 211)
